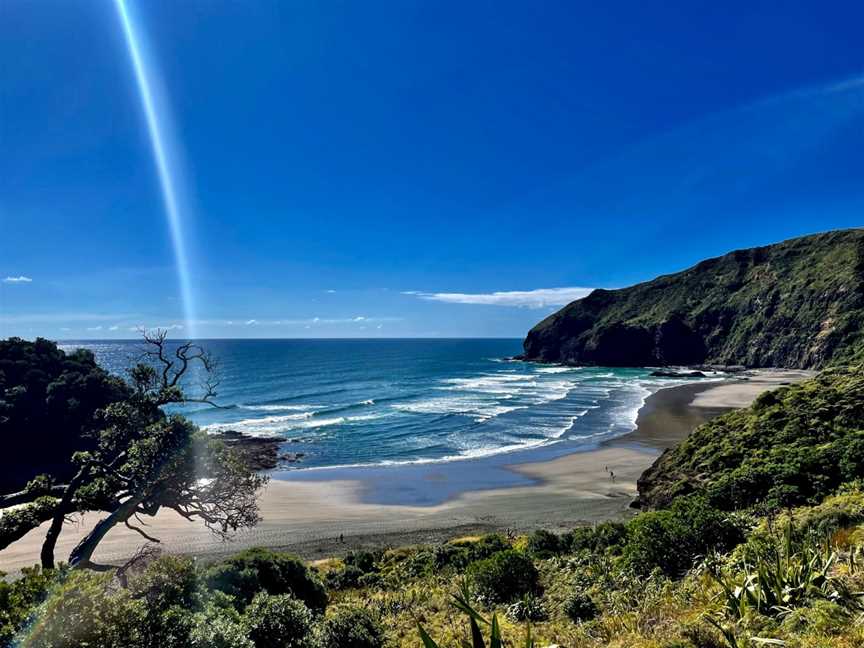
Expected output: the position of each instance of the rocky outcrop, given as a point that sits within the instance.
(799, 303)
(259, 453)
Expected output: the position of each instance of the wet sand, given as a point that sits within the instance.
(321, 518)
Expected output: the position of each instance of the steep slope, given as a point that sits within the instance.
(794, 445)
(799, 303)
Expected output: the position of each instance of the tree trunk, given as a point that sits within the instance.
(81, 554)
(63, 508)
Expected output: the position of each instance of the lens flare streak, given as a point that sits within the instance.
(165, 166)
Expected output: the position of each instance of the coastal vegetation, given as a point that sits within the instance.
(130, 458)
(751, 533)
(794, 445)
(793, 304)
(790, 578)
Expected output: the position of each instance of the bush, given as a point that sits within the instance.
(254, 570)
(543, 543)
(528, 608)
(279, 621)
(167, 581)
(578, 606)
(218, 627)
(362, 560)
(486, 546)
(672, 539)
(83, 611)
(597, 538)
(344, 578)
(350, 627)
(18, 599)
(504, 577)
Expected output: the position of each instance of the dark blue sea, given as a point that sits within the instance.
(381, 404)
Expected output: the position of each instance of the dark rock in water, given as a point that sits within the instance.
(799, 303)
(260, 453)
(721, 368)
(292, 457)
(662, 373)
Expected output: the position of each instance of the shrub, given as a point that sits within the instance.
(578, 606)
(83, 611)
(672, 539)
(254, 570)
(597, 538)
(543, 543)
(350, 627)
(504, 577)
(487, 546)
(344, 578)
(528, 608)
(167, 581)
(18, 599)
(362, 560)
(279, 621)
(218, 627)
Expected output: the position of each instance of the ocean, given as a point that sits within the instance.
(378, 403)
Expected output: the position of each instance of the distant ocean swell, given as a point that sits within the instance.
(358, 403)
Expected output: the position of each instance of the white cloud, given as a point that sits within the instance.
(94, 328)
(65, 329)
(18, 279)
(113, 328)
(538, 298)
(330, 292)
(251, 322)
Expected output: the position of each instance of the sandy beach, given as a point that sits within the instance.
(309, 517)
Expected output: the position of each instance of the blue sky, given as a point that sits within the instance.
(408, 168)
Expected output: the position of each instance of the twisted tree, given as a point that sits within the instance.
(144, 460)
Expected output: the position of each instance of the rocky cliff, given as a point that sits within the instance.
(799, 303)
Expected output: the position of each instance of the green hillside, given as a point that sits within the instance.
(799, 303)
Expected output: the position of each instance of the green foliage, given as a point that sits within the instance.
(17, 522)
(20, 597)
(362, 560)
(347, 576)
(543, 544)
(528, 608)
(279, 621)
(48, 402)
(254, 570)
(578, 606)
(792, 304)
(83, 611)
(671, 539)
(597, 538)
(504, 577)
(475, 621)
(350, 627)
(776, 578)
(793, 446)
(217, 626)
(166, 582)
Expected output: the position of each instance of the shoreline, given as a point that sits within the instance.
(308, 516)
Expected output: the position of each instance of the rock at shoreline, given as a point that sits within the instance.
(259, 453)
(662, 373)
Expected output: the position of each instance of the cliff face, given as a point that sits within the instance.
(799, 303)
